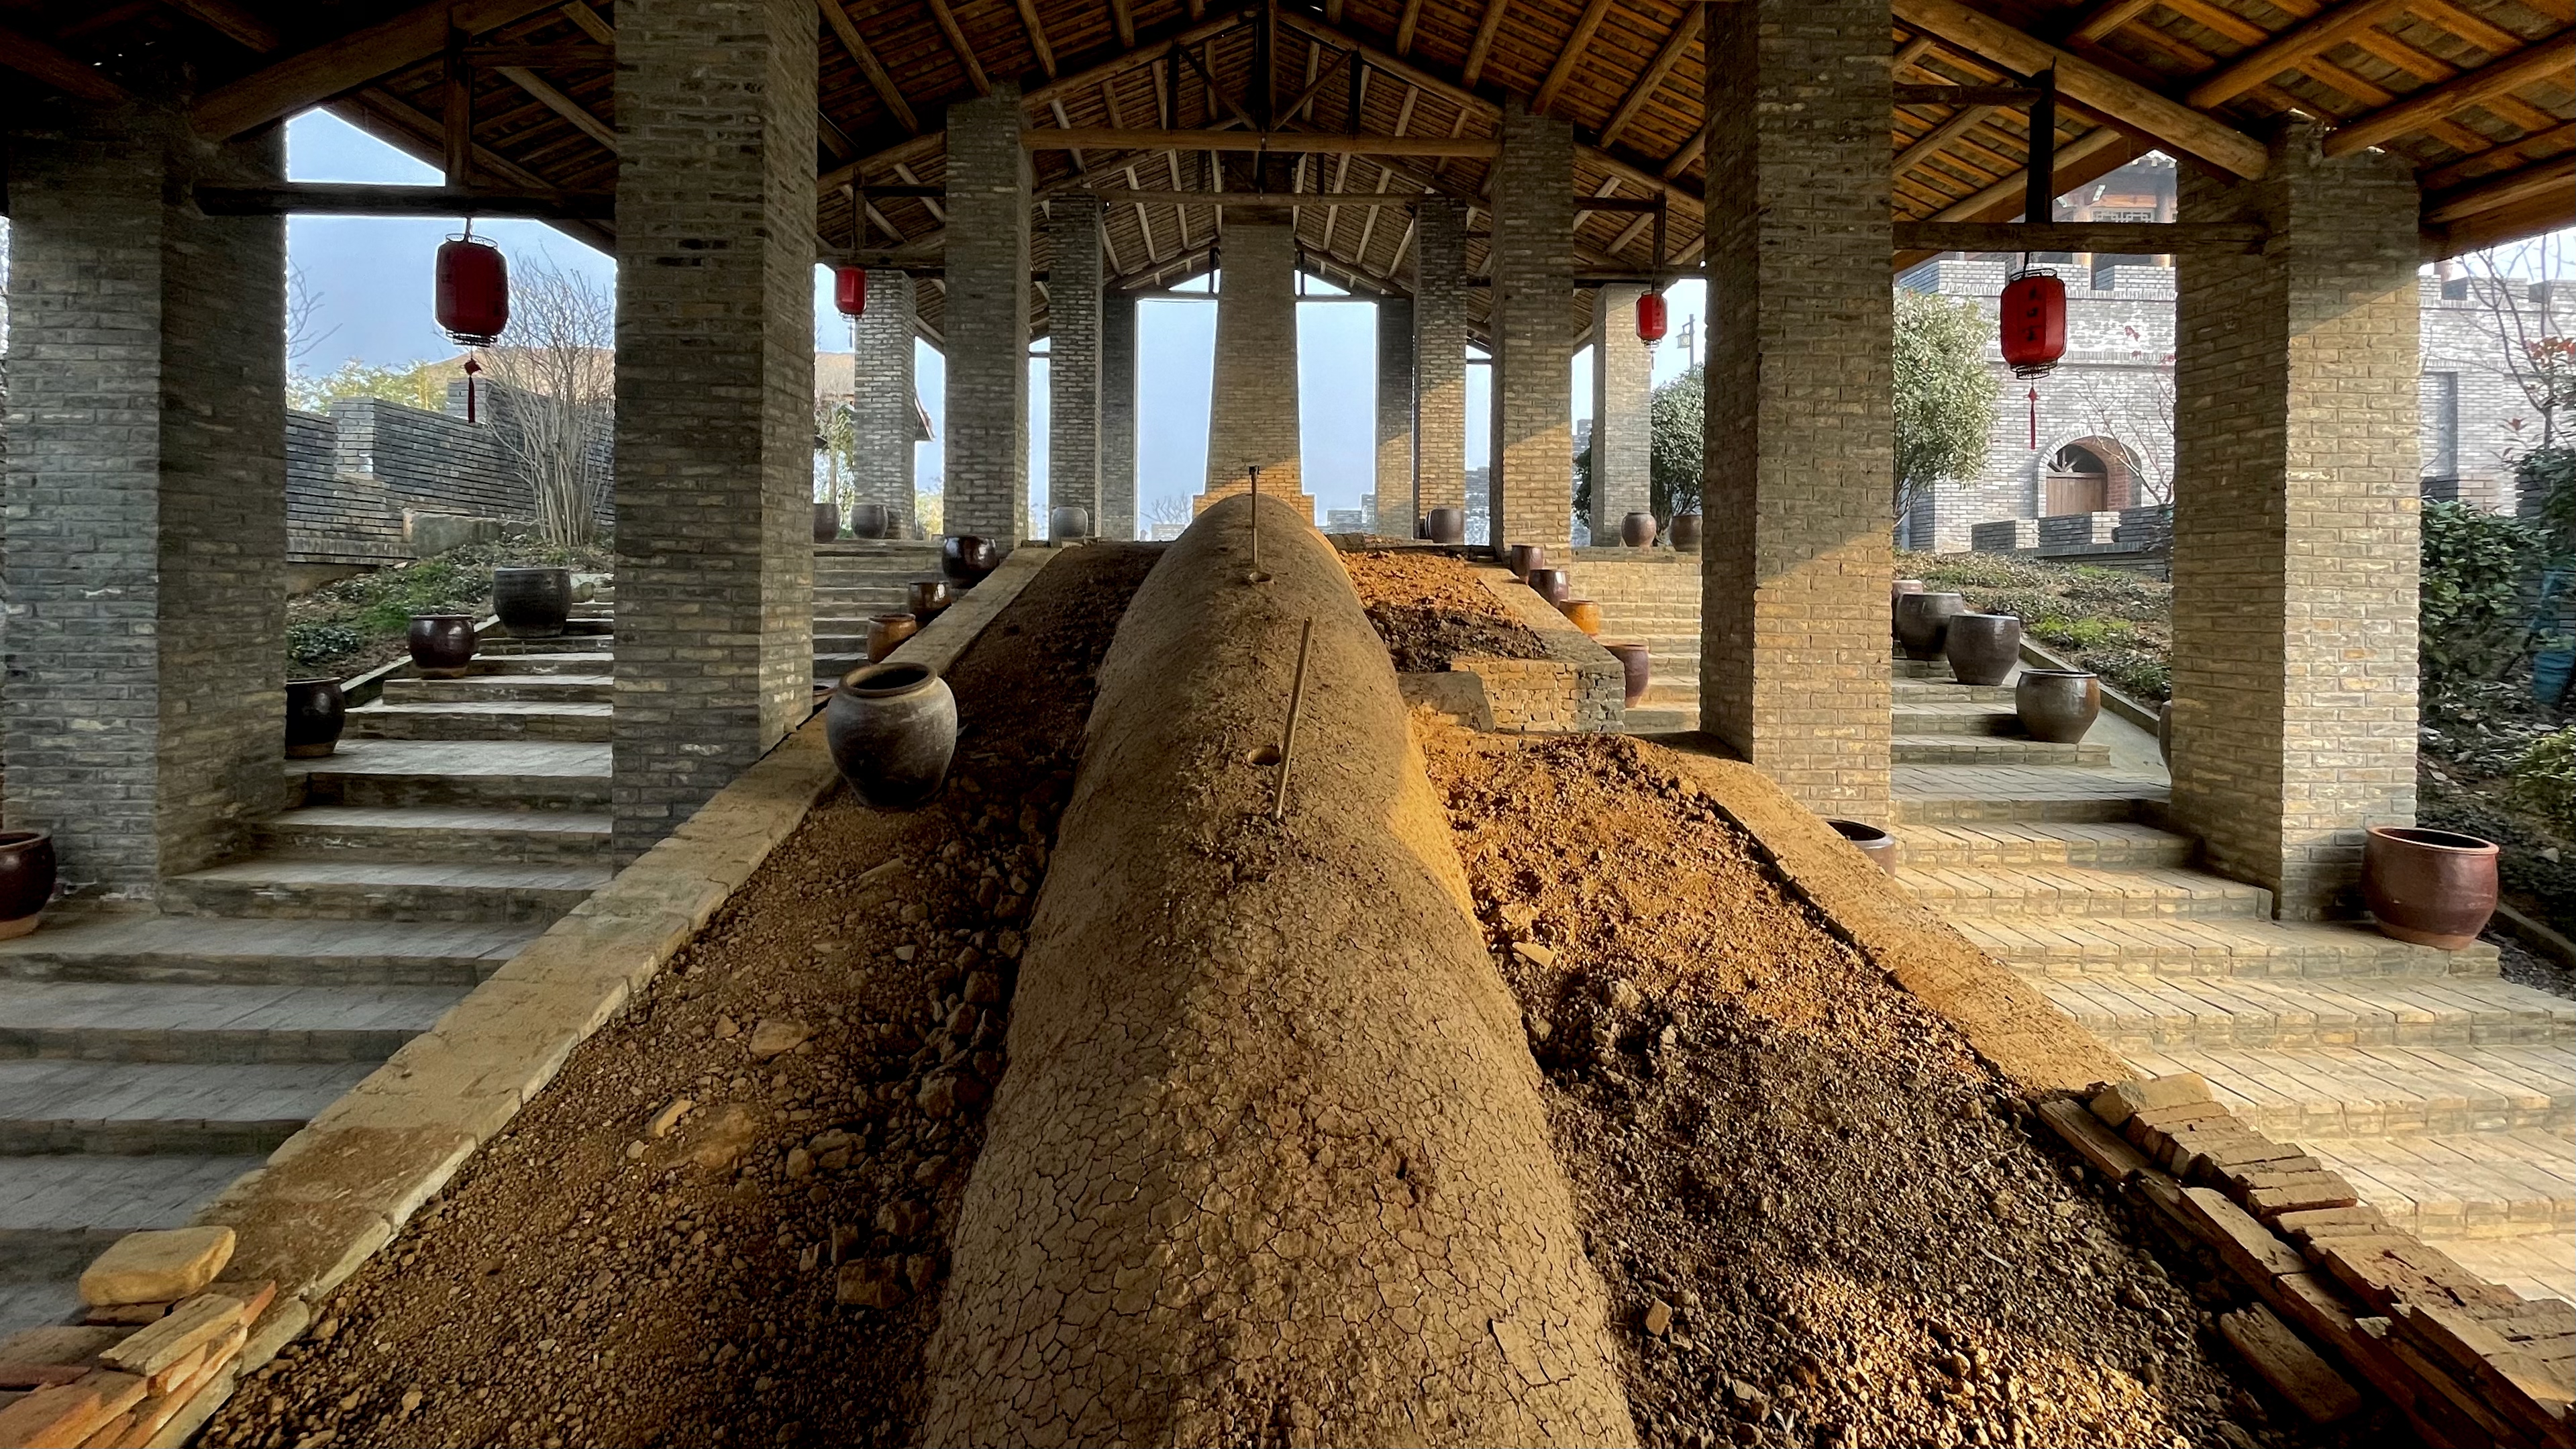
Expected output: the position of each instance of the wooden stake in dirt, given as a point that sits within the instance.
(1256, 576)
(1288, 736)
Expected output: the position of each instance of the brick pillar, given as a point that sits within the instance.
(883, 396)
(1794, 573)
(1439, 358)
(1394, 504)
(146, 559)
(1622, 382)
(1252, 399)
(2294, 547)
(715, 389)
(1533, 262)
(1118, 414)
(987, 321)
(1073, 355)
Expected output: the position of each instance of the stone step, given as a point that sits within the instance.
(2134, 1013)
(1914, 720)
(123, 1022)
(2065, 890)
(437, 833)
(2298, 1094)
(585, 661)
(483, 720)
(2065, 947)
(2536, 1265)
(828, 668)
(1900, 667)
(272, 886)
(491, 645)
(1983, 750)
(492, 774)
(2480, 1185)
(2110, 845)
(212, 1109)
(516, 688)
(59, 1212)
(134, 946)
(1647, 719)
(1912, 692)
(1966, 794)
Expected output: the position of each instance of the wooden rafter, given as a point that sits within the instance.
(1404, 25)
(2312, 37)
(1576, 47)
(2469, 88)
(560, 103)
(961, 47)
(2553, 177)
(1484, 42)
(1966, 119)
(883, 84)
(310, 77)
(588, 19)
(2483, 163)
(235, 23)
(1124, 18)
(1103, 137)
(407, 129)
(29, 56)
(1659, 70)
(2108, 16)
(1037, 36)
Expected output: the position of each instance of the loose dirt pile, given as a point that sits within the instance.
(1430, 609)
(726, 1221)
(1822, 1220)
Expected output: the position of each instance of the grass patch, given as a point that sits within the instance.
(356, 624)
(2117, 624)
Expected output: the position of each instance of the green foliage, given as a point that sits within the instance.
(2117, 624)
(2475, 616)
(1677, 429)
(417, 385)
(2549, 474)
(2544, 779)
(1945, 397)
(312, 643)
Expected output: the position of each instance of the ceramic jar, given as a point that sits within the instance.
(928, 598)
(892, 729)
(827, 523)
(871, 520)
(1552, 585)
(1873, 842)
(26, 879)
(1584, 614)
(2430, 887)
(1067, 523)
(1685, 532)
(532, 603)
(442, 645)
(886, 633)
(1446, 525)
(316, 711)
(2057, 706)
(965, 559)
(1923, 622)
(1637, 530)
(1982, 648)
(1637, 663)
(1524, 557)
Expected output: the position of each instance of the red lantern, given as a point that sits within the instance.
(1650, 318)
(850, 290)
(2034, 322)
(473, 290)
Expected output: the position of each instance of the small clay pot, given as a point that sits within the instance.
(927, 598)
(2430, 887)
(1584, 614)
(1982, 648)
(965, 559)
(1068, 523)
(2057, 705)
(315, 713)
(892, 729)
(871, 520)
(1553, 585)
(2164, 733)
(442, 645)
(886, 633)
(1446, 525)
(1873, 842)
(1527, 556)
(1637, 530)
(1923, 622)
(26, 879)
(1639, 665)
(532, 603)
(1685, 533)
(827, 523)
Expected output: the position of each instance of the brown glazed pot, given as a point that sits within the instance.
(1553, 585)
(2057, 705)
(871, 520)
(965, 559)
(26, 879)
(315, 713)
(1527, 556)
(1923, 622)
(827, 523)
(1637, 530)
(1685, 532)
(532, 602)
(1875, 843)
(1584, 614)
(2164, 733)
(1446, 525)
(2430, 887)
(1982, 648)
(926, 598)
(442, 645)
(892, 729)
(886, 633)
(1639, 665)
(1896, 591)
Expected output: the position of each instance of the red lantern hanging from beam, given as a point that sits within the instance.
(2034, 322)
(473, 290)
(850, 290)
(1651, 318)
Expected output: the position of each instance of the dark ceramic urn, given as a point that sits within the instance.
(1637, 530)
(1873, 842)
(1638, 666)
(2057, 706)
(1923, 622)
(532, 603)
(928, 598)
(871, 520)
(1553, 585)
(1685, 532)
(827, 523)
(886, 633)
(26, 879)
(965, 559)
(1447, 525)
(442, 645)
(315, 713)
(892, 729)
(1068, 523)
(1982, 648)
(1526, 556)
(2429, 887)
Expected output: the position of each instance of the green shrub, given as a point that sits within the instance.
(2544, 780)
(2475, 620)
(312, 643)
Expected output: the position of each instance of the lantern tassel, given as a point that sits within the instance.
(2034, 420)
(472, 367)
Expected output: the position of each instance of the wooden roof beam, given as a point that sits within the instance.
(883, 84)
(561, 104)
(1037, 36)
(2310, 38)
(346, 62)
(589, 20)
(1656, 73)
(1404, 25)
(2109, 16)
(235, 22)
(2472, 166)
(2145, 238)
(1967, 119)
(1484, 41)
(1576, 47)
(58, 68)
(961, 47)
(1122, 15)
(1107, 138)
(2555, 176)
(2469, 88)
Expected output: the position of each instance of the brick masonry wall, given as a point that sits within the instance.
(1392, 506)
(335, 517)
(1794, 664)
(146, 501)
(1533, 275)
(1622, 385)
(1579, 688)
(881, 395)
(987, 319)
(1118, 414)
(2295, 538)
(715, 386)
(1073, 355)
(1439, 357)
(1252, 396)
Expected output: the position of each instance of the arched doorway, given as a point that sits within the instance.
(2089, 475)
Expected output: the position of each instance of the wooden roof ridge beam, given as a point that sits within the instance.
(58, 68)
(2095, 86)
(1037, 36)
(1483, 44)
(963, 48)
(837, 16)
(2469, 88)
(2554, 176)
(345, 62)
(1576, 47)
(561, 104)
(1109, 138)
(2308, 39)
(1657, 71)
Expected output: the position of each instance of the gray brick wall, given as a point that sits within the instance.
(715, 386)
(1117, 415)
(1533, 267)
(2295, 528)
(1073, 354)
(1794, 664)
(1392, 505)
(881, 395)
(987, 319)
(1252, 397)
(1622, 381)
(1439, 358)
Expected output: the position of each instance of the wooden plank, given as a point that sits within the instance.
(27, 55)
(1965, 95)
(2555, 176)
(2481, 164)
(880, 82)
(2469, 88)
(561, 104)
(2287, 1363)
(2312, 37)
(2099, 1146)
(1656, 72)
(1940, 136)
(1484, 41)
(1585, 27)
(588, 20)
(1110, 138)
(310, 77)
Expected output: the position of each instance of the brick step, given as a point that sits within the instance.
(437, 833)
(2065, 890)
(273, 886)
(2298, 1094)
(59, 1212)
(2214, 947)
(1648, 719)
(492, 774)
(491, 645)
(132, 946)
(581, 661)
(1988, 750)
(828, 668)
(210, 1109)
(1900, 667)
(483, 720)
(1914, 720)
(1912, 692)
(2537, 1265)
(1966, 794)
(2135, 1013)
(2480, 1185)
(2110, 845)
(510, 688)
(843, 551)
(123, 1022)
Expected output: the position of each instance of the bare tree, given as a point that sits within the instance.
(1167, 510)
(2525, 297)
(2139, 418)
(556, 369)
(303, 317)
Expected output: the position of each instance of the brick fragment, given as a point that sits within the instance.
(2306, 1224)
(2119, 1102)
(156, 1266)
(2287, 1363)
(2536, 1395)
(2091, 1140)
(191, 1326)
(2267, 1195)
(2247, 1247)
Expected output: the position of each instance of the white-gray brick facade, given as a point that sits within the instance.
(987, 321)
(1073, 355)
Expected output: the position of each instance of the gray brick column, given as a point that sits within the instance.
(1622, 381)
(1533, 262)
(987, 319)
(1073, 355)
(2294, 549)
(1395, 416)
(1439, 357)
(1794, 572)
(1117, 414)
(715, 388)
(1252, 399)
(146, 560)
(883, 394)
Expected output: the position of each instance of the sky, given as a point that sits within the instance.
(355, 269)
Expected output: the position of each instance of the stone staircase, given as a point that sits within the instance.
(852, 580)
(2446, 1095)
(149, 1058)
(1652, 596)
